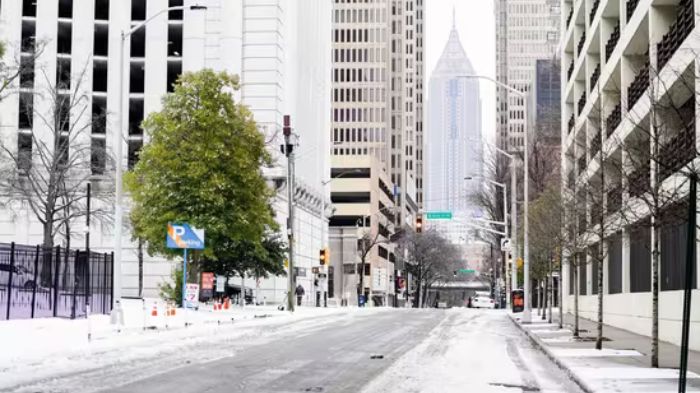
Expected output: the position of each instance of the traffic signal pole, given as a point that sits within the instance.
(288, 149)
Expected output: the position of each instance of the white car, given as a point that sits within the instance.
(483, 302)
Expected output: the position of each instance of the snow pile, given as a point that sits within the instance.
(41, 349)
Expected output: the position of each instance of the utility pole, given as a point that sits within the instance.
(288, 150)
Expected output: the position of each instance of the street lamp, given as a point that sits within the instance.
(527, 318)
(118, 141)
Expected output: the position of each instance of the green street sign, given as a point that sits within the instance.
(438, 215)
(466, 271)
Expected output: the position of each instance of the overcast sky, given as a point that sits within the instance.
(475, 24)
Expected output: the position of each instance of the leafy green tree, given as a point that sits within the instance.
(202, 166)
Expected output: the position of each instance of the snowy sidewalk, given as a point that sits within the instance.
(621, 366)
(41, 349)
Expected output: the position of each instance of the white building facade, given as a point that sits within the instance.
(526, 30)
(621, 63)
(280, 49)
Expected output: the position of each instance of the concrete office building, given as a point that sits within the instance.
(622, 62)
(526, 30)
(278, 48)
(377, 95)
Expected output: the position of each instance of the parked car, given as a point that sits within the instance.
(21, 276)
(483, 302)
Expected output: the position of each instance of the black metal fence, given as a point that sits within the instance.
(55, 282)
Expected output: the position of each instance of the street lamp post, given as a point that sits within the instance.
(118, 141)
(527, 317)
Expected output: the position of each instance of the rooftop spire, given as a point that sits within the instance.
(454, 18)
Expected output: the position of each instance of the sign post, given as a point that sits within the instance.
(182, 236)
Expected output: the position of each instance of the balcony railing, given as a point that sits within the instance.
(571, 123)
(638, 86)
(639, 180)
(679, 151)
(595, 76)
(570, 71)
(612, 41)
(581, 102)
(568, 18)
(581, 41)
(613, 120)
(614, 199)
(631, 6)
(595, 144)
(677, 33)
(596, 3)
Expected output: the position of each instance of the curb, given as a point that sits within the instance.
(537, 342)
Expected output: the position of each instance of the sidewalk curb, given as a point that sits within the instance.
(537, 342)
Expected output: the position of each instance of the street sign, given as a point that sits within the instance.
(438, 215)
(506, 246)
(184, 236)
(191, 296)
(220, 283)
(466, 271)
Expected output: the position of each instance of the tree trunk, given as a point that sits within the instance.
(551, 287)
(242, 289)
(655, 256)
(544, 295)
(576, 291)
(140, 257)
(46, 261)
(560, 287)
(361, 286)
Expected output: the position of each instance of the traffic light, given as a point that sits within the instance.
(324, 256)
(419, 223)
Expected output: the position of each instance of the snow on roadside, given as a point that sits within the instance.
(44, 349)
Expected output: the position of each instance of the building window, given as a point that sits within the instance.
(674, 232)
(175, 40)
(615, 264)
(135, 116)
(26, 110)
(98, 153)
(65, 34)
(174, 71)
(65, 9)
(138, 10)
(136, 77)
(26, 76)
(582, 275)
(134, 150)
(63, 74)
(28, 44)
(102, 9)
(29, 8)
(63, 106)
(640, 258)
(138, 43)
(99, 76)
(24, 151)
(175, 15)
(99, 115)
(62, 148)
(331, 281)
(101, 40)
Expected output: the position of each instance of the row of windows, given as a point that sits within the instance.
(359, 35)
(359, 55)
(367, 15)
(360, 95)
(371, 134)
(346, 115)
(359, 75)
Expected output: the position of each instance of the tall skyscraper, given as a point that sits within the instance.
(526, 30)
(455, 148)
(376, 105)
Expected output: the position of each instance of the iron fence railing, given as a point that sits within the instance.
(36, 282)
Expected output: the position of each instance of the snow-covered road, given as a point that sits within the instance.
(374, 350)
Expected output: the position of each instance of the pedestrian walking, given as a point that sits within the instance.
(300, 293)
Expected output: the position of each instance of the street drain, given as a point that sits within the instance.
(377, 357)
(314, 389)
(524, 388)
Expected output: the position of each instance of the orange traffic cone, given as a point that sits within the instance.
(172, 310)
(226, 304)
(154, 311)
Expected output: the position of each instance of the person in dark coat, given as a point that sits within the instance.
(300, 293)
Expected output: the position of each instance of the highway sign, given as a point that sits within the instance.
(438, 215)
(466, 271)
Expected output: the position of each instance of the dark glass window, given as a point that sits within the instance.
(62, 150)
(582, 275)
(135, 116)
(134, 150)
(26, 110)
(28, 36)
(138, 10)
(174, 71)
(26, 76)
(615, 264)
(99, 115)
(136, 77)
(674, 232)
(640, 258)
(138, 43)
(63, 73)
(102, 9)
(65, 9)
(99, 76)
(29, 7)
(175, 40)
(65, 34)
(63, 105)
(595, 265)
(98, 153)
(101, 41)
(175, 15)
(24, 151)
(331, 281)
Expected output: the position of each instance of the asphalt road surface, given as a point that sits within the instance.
(346, 356)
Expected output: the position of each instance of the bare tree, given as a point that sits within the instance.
(47, 169)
